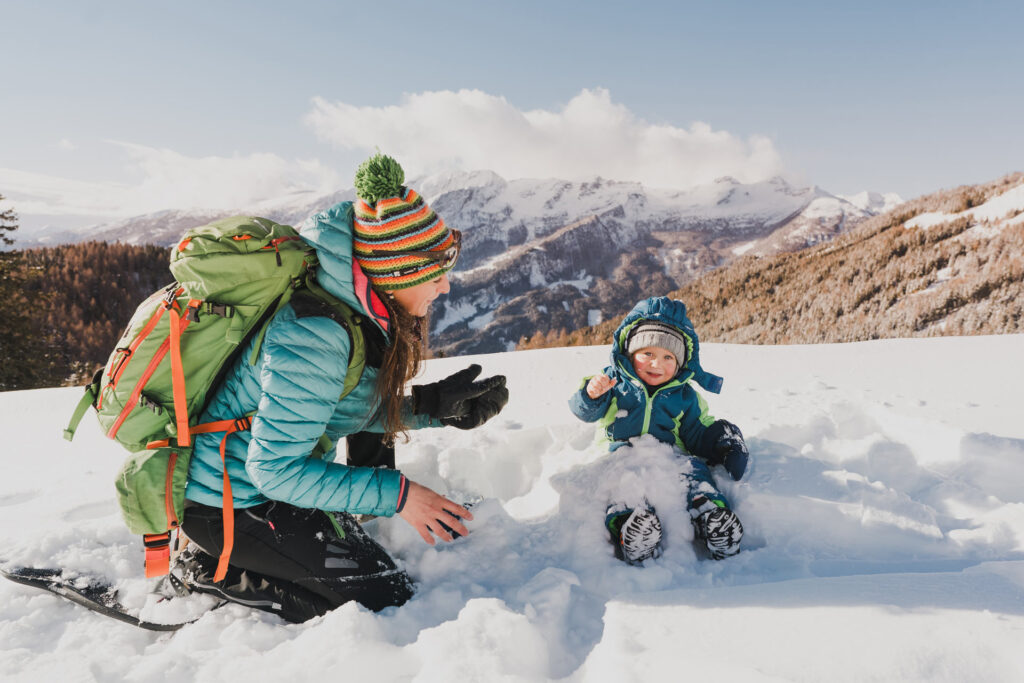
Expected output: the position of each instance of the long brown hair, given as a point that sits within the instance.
(402, 361)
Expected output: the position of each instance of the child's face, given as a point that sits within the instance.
(654, 365)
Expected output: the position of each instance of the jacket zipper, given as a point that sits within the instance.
(649, 398)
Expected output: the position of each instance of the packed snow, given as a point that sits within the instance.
(884, 517)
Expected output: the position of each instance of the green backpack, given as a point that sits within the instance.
(231, 276)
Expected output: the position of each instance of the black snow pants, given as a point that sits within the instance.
(298, 562)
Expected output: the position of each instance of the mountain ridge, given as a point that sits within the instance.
(949, 263)
(588, 239)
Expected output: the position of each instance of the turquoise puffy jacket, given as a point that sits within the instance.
(673, 412)
(294, 389)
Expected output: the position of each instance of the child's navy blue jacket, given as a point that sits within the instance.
(673, 412)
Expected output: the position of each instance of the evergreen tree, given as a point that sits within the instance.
(8, 223)
(24, 351)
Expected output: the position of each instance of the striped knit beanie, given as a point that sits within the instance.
(390, 217)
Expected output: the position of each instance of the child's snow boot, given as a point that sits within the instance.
(636, 534)
(720, 530)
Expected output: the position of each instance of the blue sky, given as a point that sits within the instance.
(112, 108)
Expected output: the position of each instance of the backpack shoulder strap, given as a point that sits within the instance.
(313, 300)
(92, 391)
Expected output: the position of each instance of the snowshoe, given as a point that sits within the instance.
(93, 593)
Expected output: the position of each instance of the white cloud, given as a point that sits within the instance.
(37, 193)
(590, 136)
(171, 179)
(166, 179)
(428, 132)
(66, 145)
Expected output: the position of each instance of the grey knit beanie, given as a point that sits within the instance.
(650, 333)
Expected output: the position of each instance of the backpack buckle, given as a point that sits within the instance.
(147, 402)
(192, 312)
(172, 295)
(222, 310)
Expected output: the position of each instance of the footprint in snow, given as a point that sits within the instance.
(17, 498)
(89, 511)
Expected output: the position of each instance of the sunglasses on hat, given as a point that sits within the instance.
(446, 258)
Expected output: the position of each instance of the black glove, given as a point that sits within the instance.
(727, 448)
(460, 401)
(483, 407)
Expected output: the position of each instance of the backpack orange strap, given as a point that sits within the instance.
(158, 553)
(133, 399)
(177, 326)
(154, 552)
(178, 372)
(228, 514)
(158, 546)
(117, 368)
(228, 502)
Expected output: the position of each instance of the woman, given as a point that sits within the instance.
(296, 549)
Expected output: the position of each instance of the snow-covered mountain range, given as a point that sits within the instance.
(548, 254)
(554, 254)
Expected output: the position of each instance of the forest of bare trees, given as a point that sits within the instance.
(68, 305)
(881, 280)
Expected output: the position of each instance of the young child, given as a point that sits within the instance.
(648, 390)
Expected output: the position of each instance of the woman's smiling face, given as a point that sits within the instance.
(416, 300)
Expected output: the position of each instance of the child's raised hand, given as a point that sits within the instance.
(599, 385)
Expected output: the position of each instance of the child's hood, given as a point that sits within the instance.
(670, 312)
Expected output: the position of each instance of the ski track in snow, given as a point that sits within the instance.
(883, 511)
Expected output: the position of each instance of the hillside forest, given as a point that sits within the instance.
(883, 279)
(65, 307)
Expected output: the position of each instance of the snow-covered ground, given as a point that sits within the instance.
(885, 538)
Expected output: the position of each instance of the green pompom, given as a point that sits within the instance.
(379, 177)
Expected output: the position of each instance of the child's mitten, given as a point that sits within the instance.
(728, 448)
